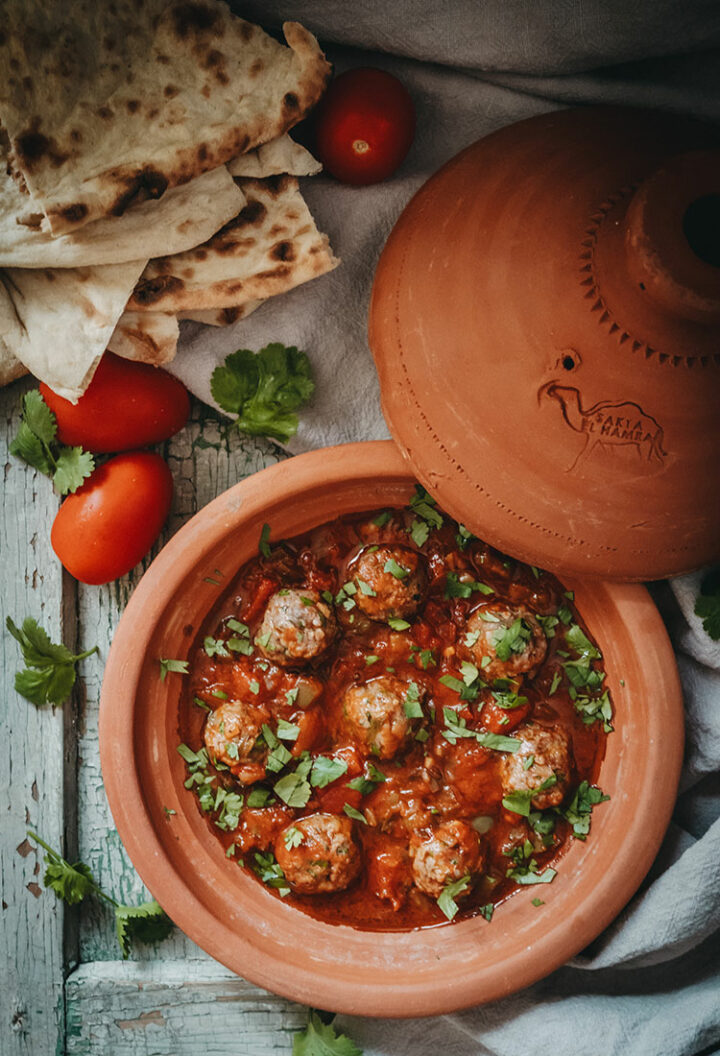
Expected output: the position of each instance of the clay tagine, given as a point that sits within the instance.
(546, 325)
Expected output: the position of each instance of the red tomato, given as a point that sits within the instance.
(110, 523)
(126, 405)
(364, 126)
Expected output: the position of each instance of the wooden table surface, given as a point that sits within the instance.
(63, 985)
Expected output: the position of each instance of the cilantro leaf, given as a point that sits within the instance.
(707, 606)
(321, 1039)
(72, 467)
(446, 898)
(578, 812)
(293, 790)
(519, 802)
(270, 872)
(36, 443)
(325, 770)
(264, 389)
(578, 640)
(180, 667)
(144, 923)
(50, 673)
(352, 812)
(30, 449)
(38, 417)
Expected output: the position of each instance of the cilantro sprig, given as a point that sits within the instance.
(50, 673)
(36, 443)
(707, 605)
(264, 389)
(321, 1039)
(73, 883)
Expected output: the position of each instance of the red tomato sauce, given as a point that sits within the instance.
(366, 777)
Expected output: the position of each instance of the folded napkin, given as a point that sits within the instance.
(649, 985)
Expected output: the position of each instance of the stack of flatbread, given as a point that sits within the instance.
(146, 176)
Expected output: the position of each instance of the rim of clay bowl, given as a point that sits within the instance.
(237, 921)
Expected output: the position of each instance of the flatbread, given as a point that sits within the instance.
(218, 316)
(58, 322)
(271, 159)
(270, 247)
(147, 337)
(184, 217)
(106, 104)
(10, 367)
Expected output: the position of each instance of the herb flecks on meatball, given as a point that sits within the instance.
(541, 765)
(297, 626)
(504, 642)
(231, 732)
(376, 713)
(319, 853)
(391, 581)
(443, 855)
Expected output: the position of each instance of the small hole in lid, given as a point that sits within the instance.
(568, 363)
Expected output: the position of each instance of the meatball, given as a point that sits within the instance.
(390, 581)
(443, 855)
(318, 853)
(546, 754)
(512, 638)
(374, 714)
(231, 732)
(297, 626)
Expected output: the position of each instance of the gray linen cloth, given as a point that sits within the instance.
(650, 983)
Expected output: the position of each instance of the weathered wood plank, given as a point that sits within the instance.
(166, 1009)
(31, 763)
(202, 468)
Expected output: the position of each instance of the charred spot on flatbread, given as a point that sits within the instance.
(192, 18)
(146, 184)
(75, 213)
(282, 251)
(32, 145)
(253, 213)
(133, 105)
(148, 291)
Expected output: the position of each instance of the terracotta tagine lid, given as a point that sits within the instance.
(545, 322)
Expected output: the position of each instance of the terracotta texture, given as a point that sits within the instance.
(233, 917)
(546, 326)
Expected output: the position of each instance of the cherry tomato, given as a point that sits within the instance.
(126, 405)
(110, 523)
(365, 125)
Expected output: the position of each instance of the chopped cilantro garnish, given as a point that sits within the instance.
(292, 837)
(457, 588)
(240, 629)
(519, 802)
(463, 537)
(180, 667)
(215, 647)
(293, 789)
(398, 624)
(371, 660)
(528, 762)
(353, 813)
(411, 704)
(537, 902)
(565, 615)
(511, 640)
(419, 532)
(202, 704)
(580, 643)
(471, 639)
(579, 810)
(287, 731)
(424, 506)
(366, 589)
(395, 569)
(268, 870)
(548, 624)
(446, 898)
(258, 797)
(324, 770)
(254, 686)
(486, 911)
(382, 519)
(264, 544)
(557, 679)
